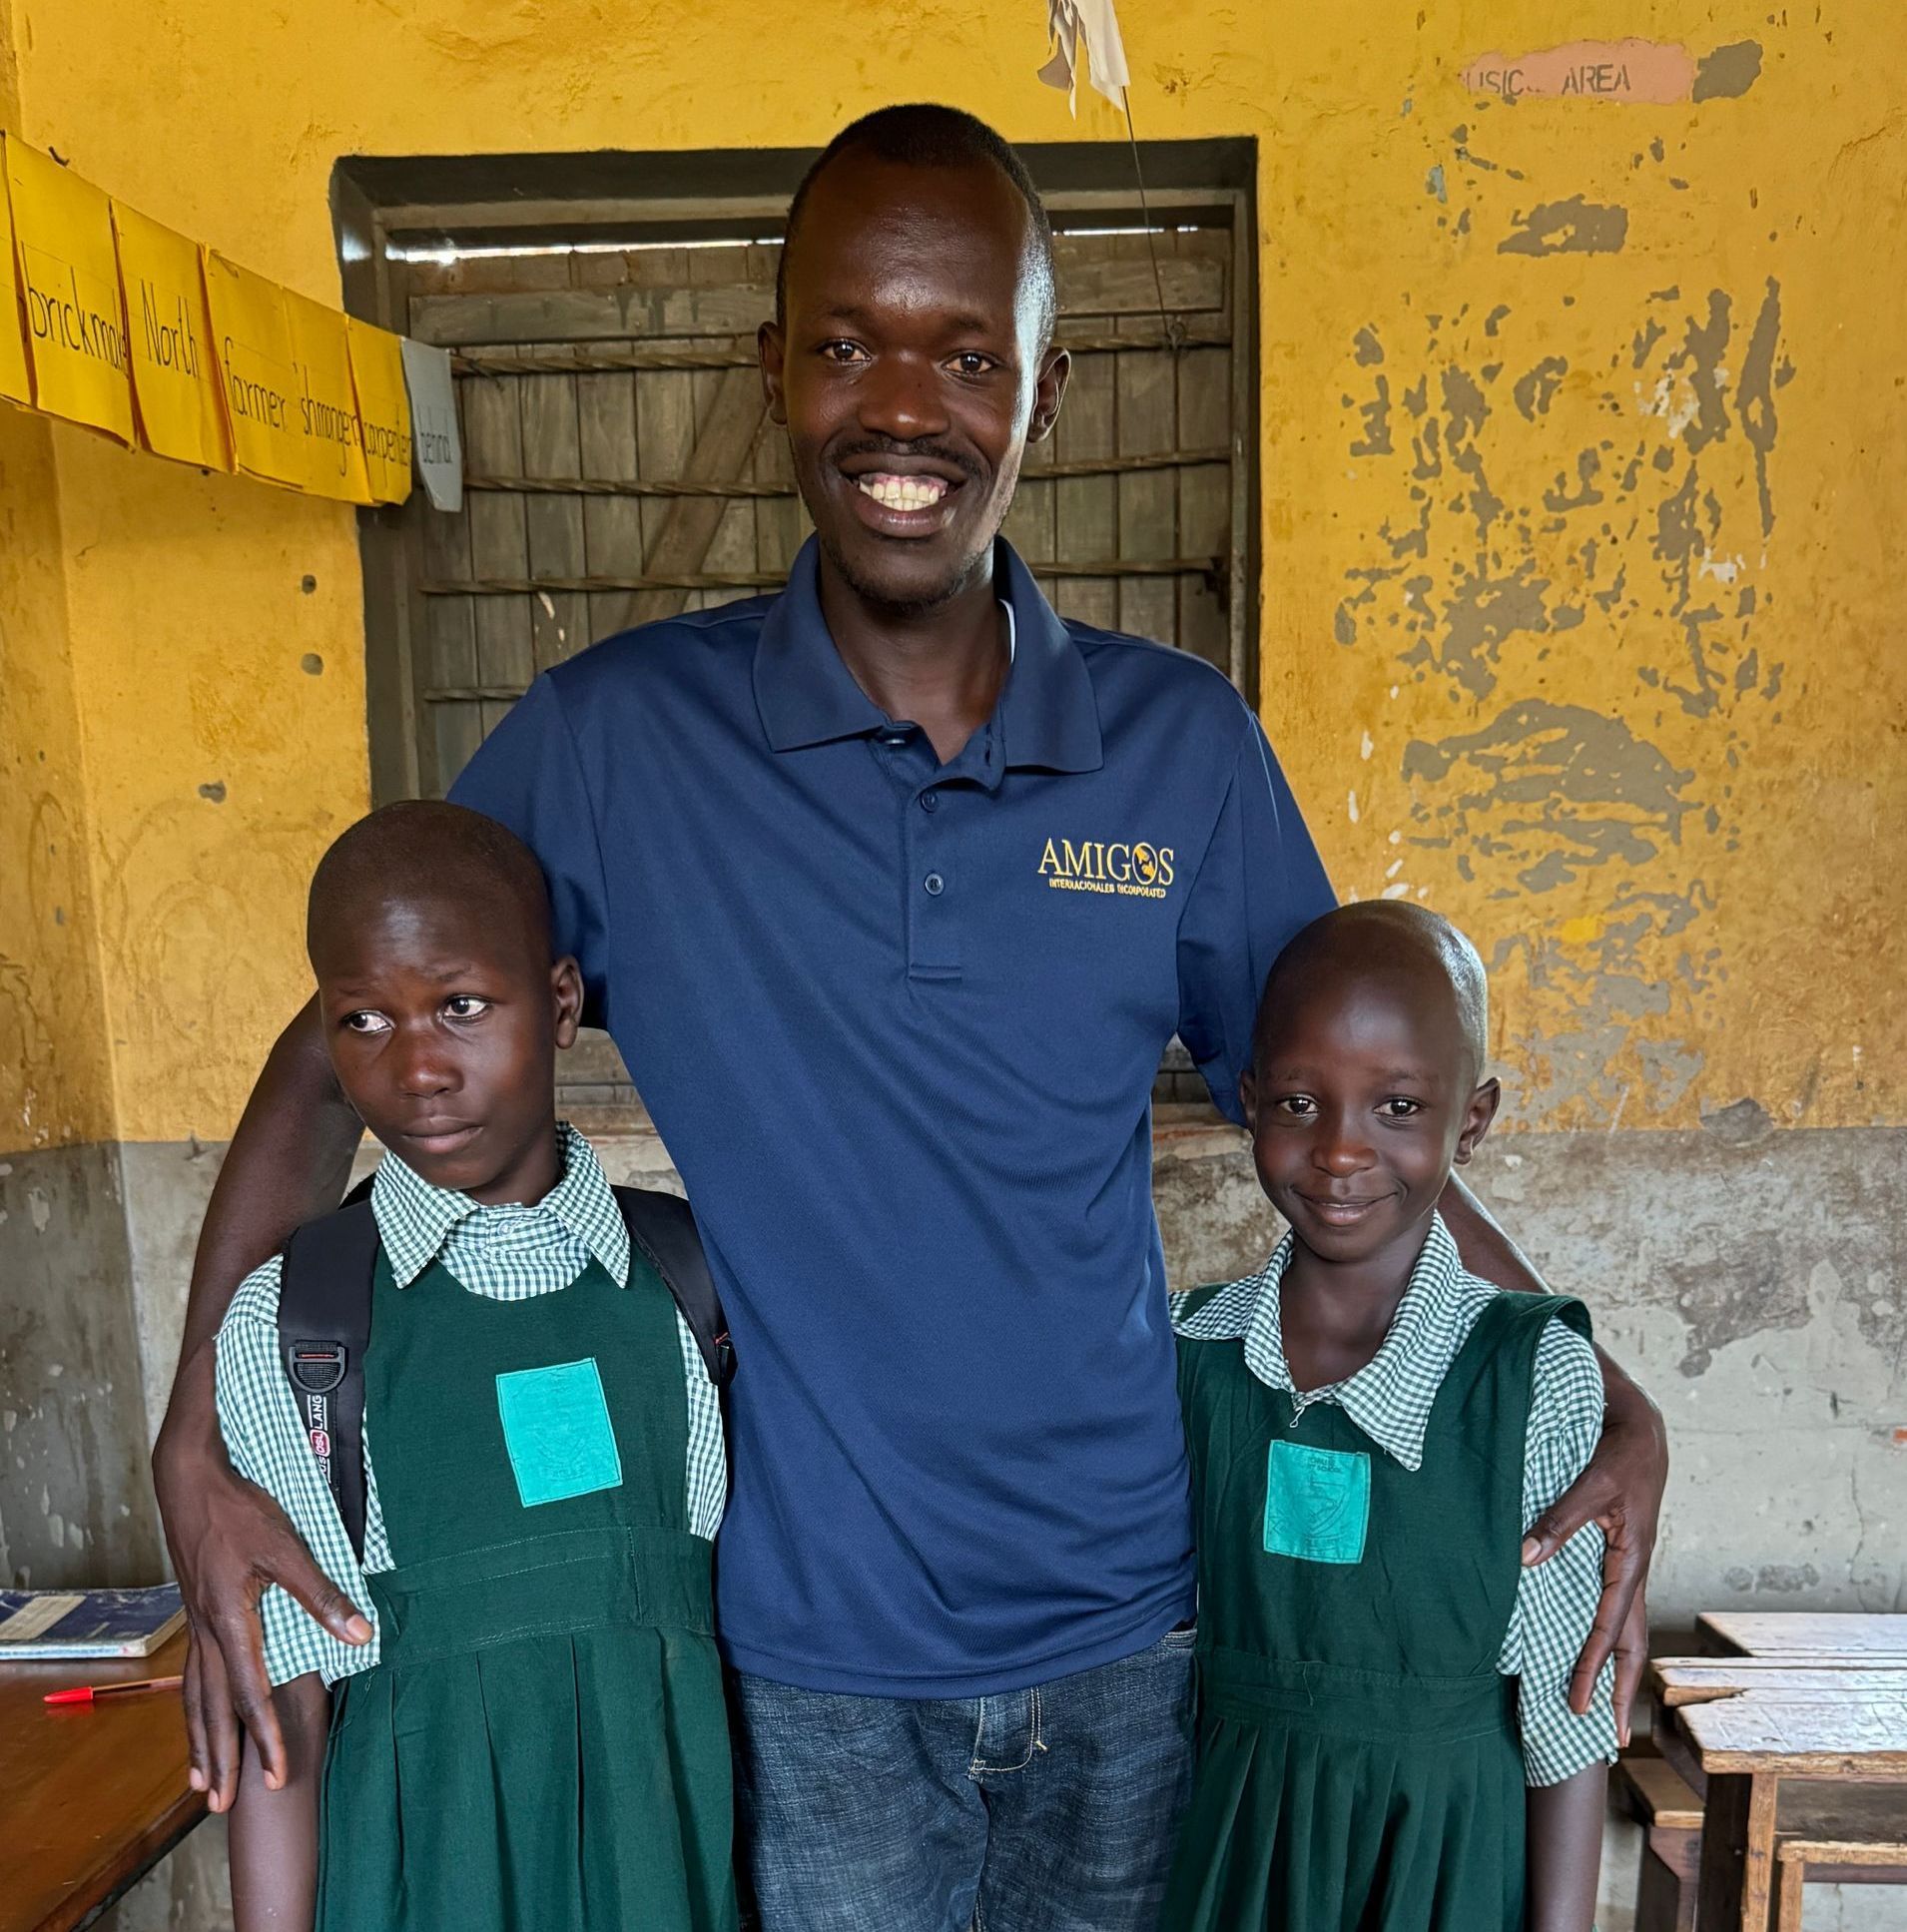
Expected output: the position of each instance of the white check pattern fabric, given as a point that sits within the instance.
(1390, 1399)
(504, 1253)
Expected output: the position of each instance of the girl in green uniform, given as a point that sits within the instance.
(532, 1737)
(1386, 1738)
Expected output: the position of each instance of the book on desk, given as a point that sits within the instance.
(40, 1626)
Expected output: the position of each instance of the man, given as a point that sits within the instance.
(891, 889)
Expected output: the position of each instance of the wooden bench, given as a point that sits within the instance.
(1825, 1834)
(1803, 1748)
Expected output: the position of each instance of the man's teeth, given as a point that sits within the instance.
(903, 492)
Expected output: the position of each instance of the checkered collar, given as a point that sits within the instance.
(1391, 1397)
(416, 1220)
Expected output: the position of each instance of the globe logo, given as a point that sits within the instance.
(1145, 862)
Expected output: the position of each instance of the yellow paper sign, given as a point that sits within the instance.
(169, 334)
(384, 409)
(69, 276)
(252, 344)
(15, 385)
(326, 402)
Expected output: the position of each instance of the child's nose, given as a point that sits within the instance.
(1342, 1150)
(424, 1067)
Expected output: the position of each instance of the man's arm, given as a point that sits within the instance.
(274, 1841)
(1564, 1852)
(1620, 1491)
(288, 1161)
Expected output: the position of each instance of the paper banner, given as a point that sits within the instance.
(433, 423)
(69, 276)
(1068, 22)
(169, 334)
(252, 344)
(384, 409)
(327, 401)
(15, 384)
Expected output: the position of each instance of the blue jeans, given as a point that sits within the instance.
(1045, 1811)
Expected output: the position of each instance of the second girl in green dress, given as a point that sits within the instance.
(1385, 1738)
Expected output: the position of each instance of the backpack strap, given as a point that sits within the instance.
(325, 1293)
(663, 1229)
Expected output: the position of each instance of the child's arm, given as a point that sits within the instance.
(1566, 1851)
(273, 1842)
(1565, 1753)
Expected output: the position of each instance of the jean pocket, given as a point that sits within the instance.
(1185, 1637)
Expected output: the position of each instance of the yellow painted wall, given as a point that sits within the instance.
(1676, 835)
(55, 1069)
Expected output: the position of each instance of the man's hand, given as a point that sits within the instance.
(1621, 1492)
(229, 1541)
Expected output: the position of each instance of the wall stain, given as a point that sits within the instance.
(1573, 226)
(1729, 72)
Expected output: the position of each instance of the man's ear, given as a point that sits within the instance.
(566, 996)
(1248, 1098)
(1049, 390)
(770, 347)
(1477, 1118)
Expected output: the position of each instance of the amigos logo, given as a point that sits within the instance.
(1118, 869)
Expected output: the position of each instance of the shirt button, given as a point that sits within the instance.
(893, 737)
(929, 801)
(935, 885)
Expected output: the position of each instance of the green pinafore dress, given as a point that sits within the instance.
(1359, 1766)
(543, 1743)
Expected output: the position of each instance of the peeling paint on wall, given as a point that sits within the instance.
(1573, 226)
(1648, 545)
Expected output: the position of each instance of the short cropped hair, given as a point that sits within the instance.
(923, 134)
(1382, 934)
(425, 850)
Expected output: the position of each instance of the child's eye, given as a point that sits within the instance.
(1301, 1104)
(1400, 1107)
(366, 1022)
(465, 1006)
(972, 362)
(843, 354)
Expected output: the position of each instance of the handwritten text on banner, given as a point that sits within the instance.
(175, 377)
(69, 275)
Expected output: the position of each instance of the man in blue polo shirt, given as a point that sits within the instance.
(891, 888)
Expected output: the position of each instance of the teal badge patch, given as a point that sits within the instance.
(1317, 1503)
(556, 1428)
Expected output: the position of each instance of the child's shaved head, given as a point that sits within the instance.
(426, 852)
(1388, 938)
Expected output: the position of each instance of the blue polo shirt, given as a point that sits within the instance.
(898, 1023)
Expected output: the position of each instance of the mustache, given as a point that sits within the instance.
(927, 448)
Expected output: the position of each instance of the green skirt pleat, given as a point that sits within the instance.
(448, 1809)
(1297, 1828)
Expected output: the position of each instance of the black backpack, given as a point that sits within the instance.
(324, 1321)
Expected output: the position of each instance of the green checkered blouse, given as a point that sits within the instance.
(1390, 1399)
(502, 1253)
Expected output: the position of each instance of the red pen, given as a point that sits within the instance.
(89, 1693)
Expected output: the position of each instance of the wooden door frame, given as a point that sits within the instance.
(379, 202)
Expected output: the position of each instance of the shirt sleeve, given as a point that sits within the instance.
(528, 774)
(1555, 1601)
(258, 1417)
(1260, 882)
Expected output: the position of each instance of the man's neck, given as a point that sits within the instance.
(940, 669)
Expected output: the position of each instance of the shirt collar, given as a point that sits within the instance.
(1392, 1396)
(1047, 716)
(415, 1219)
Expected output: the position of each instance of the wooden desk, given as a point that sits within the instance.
(1876, 1637)
(1820, 1698)
(91, 1798)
